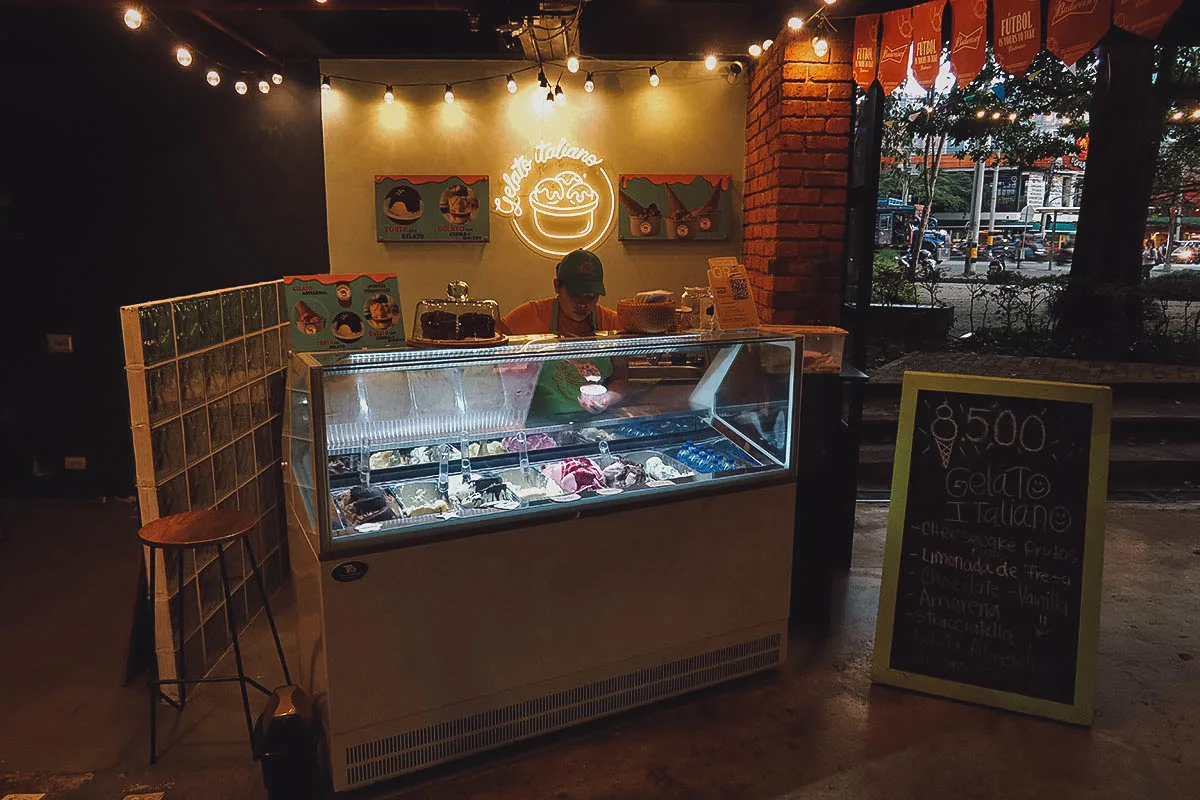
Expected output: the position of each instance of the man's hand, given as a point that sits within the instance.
(599, 403)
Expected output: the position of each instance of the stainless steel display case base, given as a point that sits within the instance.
(445, 649)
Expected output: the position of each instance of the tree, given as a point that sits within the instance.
(1176, 187)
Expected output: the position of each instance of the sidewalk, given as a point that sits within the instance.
(952, 269)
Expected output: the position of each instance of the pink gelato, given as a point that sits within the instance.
(534, 441)
(576, 475)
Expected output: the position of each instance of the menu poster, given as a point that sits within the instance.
(995, 543)
(731, 294)
(431, 208)
(675, 207)
(344, 312)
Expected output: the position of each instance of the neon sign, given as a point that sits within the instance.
(571, 207)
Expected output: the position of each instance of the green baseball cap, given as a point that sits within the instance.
(581, 272)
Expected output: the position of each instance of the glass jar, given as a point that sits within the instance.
(697, 302)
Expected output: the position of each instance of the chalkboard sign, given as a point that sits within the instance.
(995, 545)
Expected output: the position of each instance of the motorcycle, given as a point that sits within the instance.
(927, 266)
(996, 268)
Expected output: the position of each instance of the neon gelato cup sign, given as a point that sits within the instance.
(572, 204)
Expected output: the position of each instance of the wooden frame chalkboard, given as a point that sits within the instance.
(995, 543)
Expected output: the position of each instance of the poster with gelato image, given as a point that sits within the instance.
(675, 207)
(431, 208)
(359, 311)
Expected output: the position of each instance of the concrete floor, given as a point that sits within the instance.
(815, 729)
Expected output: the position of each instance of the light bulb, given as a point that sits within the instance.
(755, 50)
(572, 64)
(795, 24)
(995, 115)
(589, 85)
(542, 82)
(388, 96)
(710, 63)
(133, 19)
(980, 114)
(1066, 120)
(263, 86)
(1196, 113)
(240, 87)
(512, 84)
(767, 44)
(653, 77)
(820, 46)
(184, 57)
(559, 97)
(1012, 117)
(276, 79)
(213, 77)
(449, 93)
(322, 2)
(549, 99)
(1177, 115)
(325, 83)
(830, 2)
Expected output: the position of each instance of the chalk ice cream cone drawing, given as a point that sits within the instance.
(643, 220)
(944, 431)
(680, 222)
(564, 206)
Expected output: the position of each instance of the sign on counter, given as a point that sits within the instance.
(732, 297)
(358, 311)
(995, 543)
(431, 208)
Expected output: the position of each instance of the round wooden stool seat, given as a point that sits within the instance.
(196, 528)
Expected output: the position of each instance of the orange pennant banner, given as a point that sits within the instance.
(866, 49)
(927, 41)
(893, 52)
(1144, 17)
(1073, 27)
(1017, 26)
(968, 38)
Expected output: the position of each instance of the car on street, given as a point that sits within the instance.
(1028, 251)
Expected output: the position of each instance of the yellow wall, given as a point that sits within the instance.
(693, 122)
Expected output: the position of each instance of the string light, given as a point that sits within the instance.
(449, 93)
(184, 57)
(980, 114)
(795, 24)
(1012, 117)
(1177, 115)
(820, 46)
(326, 85)
(263, 86)
(754, 50)
(766, 45)
(1196, 113)
(589, 85)
(511, 83)
(133, 19)
(542, 82)
(560, 98)
(276, 79)
(240, 87)
(653, 76)
(710, 62)
(213, 77)
(572, 63)
(389, 96)
(549, 99)
(830, 2)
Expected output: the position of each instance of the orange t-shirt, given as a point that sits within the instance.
(534, 317)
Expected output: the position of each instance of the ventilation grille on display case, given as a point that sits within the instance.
(205, 376)
(416, 749)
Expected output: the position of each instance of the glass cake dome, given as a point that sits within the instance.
(457, 318)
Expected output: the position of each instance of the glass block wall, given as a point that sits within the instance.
(206, 386)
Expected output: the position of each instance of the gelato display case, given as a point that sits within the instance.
(470, 574)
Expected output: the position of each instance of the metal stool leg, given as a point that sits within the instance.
(262, 590)
(182, 634)
(152, 676)
(237, 648)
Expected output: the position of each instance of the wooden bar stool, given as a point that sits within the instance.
(193, 530)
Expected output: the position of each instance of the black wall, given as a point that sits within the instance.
(126, 178)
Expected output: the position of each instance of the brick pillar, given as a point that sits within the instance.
(797, 168)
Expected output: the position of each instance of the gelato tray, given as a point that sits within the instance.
(361, 504)
(530, 487)
(481, 492)
(421, 499)
(658, 466)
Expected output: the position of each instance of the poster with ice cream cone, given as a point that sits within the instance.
(358, 311)
(675, 207)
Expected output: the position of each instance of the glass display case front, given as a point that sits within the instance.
(412, 444)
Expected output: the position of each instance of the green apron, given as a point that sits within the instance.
(557, 392)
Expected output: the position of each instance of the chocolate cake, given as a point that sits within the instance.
(476, 326)
(439, 325)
